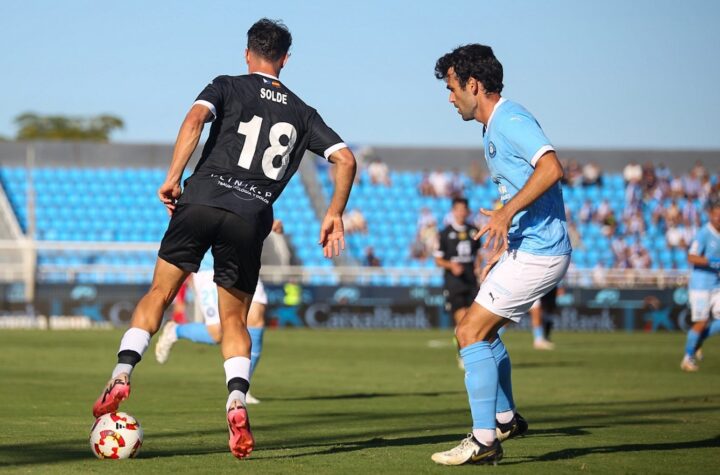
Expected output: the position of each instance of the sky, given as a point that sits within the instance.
(611, 74)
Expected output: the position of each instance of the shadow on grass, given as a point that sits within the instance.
(334, 397)
(566, 454)
(374, 443)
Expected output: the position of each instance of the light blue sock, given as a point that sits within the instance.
(196, 332)
(538, 333)
(481, 383)
(256, 337)
(712, 329)
(504, 401)
(691, 344)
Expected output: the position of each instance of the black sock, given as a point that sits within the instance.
(238, 384)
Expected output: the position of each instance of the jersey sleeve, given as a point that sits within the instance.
(441, 247)
(698, 244)
(527, 138)
(212, 97)
(323, 140)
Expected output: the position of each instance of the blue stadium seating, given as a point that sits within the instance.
(120, 205)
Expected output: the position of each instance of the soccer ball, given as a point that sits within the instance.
(116, 436)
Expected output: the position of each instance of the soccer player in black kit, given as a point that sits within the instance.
(458, 254)
(260, 131)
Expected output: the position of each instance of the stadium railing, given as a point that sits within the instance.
(339, 275)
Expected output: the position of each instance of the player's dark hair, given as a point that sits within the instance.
(476, 61)
(270, 39)
(713, 202)
(460, 199)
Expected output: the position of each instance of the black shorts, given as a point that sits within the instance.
(236, 244)
(455, 299)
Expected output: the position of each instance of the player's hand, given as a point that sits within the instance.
(332, 235)
(169, 194)
(456, 269)
(277, 227)
(496, 228)
(491, 263)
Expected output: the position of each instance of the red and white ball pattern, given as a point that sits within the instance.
(116, 436)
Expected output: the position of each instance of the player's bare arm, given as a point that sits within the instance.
(700, 261)
(454, 267)
(332, 236)
(548, 171)
(187, 141)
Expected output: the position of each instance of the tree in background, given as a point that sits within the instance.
(57, 127)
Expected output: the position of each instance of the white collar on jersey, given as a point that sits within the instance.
(502, 99)
(266, 75)
(457, 227)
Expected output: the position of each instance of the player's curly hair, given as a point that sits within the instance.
(270, 39)
(473, 60)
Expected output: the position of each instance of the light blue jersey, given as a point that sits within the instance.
(706, 244)
(514, 142)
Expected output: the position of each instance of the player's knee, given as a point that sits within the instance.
(465, 333)
(161, 294)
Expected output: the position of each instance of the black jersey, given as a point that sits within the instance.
(259, 134)
(456, 244)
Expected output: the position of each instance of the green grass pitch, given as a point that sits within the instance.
(365, 402)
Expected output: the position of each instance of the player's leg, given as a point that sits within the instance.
(256, 324)
(502, 297)
(712, 326)
(236, 251)
(145, 322)
(538, 330)
(699, 313)
(481, 382)
(256, 329)
(235, 346)
(198, 332)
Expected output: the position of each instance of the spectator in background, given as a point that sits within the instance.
(354, 222)
(591, 174)
(457, 184)
(649, 179)
(690, 214)
(425, 187)
(573, 173)
(602, 212)
(618, 247)
(633, 172)
(609, 225)
(477, 173)
(663, 173)
(440, 183)
(677, 235)
(586, 211)
(574, 235)
(639, 257)
(633, 194)
(426, 219)
(677, 188)
(692, 185)
(379, 173)
(634, 220)
(371, 260)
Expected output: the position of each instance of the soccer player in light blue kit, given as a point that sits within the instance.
(704, 287)
(528, 235)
